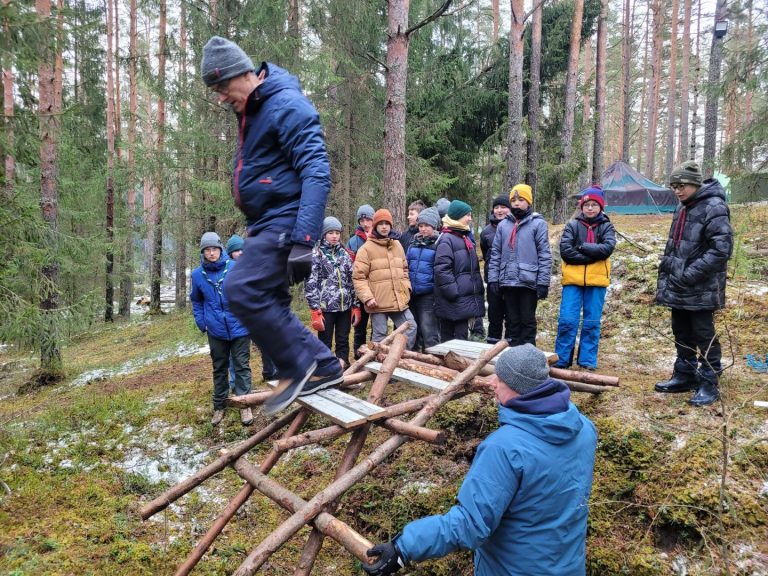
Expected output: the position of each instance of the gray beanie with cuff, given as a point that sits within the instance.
(365, 211)
(429, 216)
(330, 223)
(522, 368)
(222, 60)
(211, 240)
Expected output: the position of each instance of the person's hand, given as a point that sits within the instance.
(355, 315)
(542, 291)
(318, 322)
(371, 303)
(493, 289)
(299, 264)
(389, 560)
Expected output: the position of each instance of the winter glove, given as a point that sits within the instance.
(318, 323)
(355, 315)
(493, 289)
(299, 264)
(389, 560)
(542, 292)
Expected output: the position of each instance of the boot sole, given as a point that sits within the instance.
(675, 390)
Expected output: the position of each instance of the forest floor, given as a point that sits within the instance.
(677, 490)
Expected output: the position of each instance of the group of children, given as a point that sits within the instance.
(431, 276)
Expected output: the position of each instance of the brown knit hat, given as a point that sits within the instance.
(382, 215)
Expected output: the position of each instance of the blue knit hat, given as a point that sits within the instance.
(330, 223)
(234, 244)
(458, 209)
(222, 60)
(522, 368)
(365, 211)
(429, 216)
(593, 193)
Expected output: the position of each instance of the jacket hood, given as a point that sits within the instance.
(214, 266)
(277, 79)
(546, 412)
(709, 189)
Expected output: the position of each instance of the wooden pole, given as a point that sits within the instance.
(293, 524)
(426, 358)
(176, 492)
(369, 355)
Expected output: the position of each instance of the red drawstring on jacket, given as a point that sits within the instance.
(514, 234)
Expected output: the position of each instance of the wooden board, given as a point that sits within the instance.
(420, 380)
(468, 349)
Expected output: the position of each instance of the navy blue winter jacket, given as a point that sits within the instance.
(421, 264)
(523, 505)
(458, 283)
(209, 304)
(281, 176)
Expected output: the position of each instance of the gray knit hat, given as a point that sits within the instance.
(522, 368)
(365, 211)
(687, 173)
(211, 240)
(442, 206)
(429, 216)
(330, 223)
(222, 60)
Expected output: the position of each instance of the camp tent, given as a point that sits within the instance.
(629, 192)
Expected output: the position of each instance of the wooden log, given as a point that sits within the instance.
(369, 355)
(258, 398)
(278, 537)
(324, 522)
(177, 491)
(427, 358)
(234, 505)
(415, 432)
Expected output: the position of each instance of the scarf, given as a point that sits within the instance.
(677, 233)
(457, 229)
(517, 216)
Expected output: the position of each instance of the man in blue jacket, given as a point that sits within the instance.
(523, 505)
(281, 181)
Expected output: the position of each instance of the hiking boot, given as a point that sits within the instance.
(319, 382)
(680, 382)
(218, 416)
(286, 392)
(246, 416)
(708, 391)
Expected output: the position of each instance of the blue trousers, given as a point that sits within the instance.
(590, 300)
(258, 294)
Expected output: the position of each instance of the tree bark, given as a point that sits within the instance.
(713, 95)
(626, 81)
(598, 156)
(495, 17)
(696, 89)
(653, 90)
(561, 200)
(534, 98)
(156, 272)
(181, 191)
(643, 93)
(515, 102)
(682, 143)
(669, 152)
(109, 288)
(8, 112)
(587, 137)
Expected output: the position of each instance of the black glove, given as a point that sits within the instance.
(493, 289)
(299, 264)
(389, 560)
(542, 291)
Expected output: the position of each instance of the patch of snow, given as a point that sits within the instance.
(680, 565)
(763, 489)
(679, 443)
(419, 486)
(750, 561)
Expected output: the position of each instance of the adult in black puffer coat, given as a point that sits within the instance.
(458, 283)
(691, 281)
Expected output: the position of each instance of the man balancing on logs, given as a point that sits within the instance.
(523, 505)
(281, 182)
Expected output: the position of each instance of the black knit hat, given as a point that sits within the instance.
(502, 200)
(687, 173)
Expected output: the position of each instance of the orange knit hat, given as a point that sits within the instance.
(382, 215)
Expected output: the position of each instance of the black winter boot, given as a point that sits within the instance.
(708, 391)
(680, 382)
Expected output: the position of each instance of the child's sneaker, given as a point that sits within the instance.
(287, 391)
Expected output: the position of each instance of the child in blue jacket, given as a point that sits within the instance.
(226, 336)
(421, 270)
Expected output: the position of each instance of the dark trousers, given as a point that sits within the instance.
(428, 330)
(520, 304)
(337, 324)
(695, 340)
(497, 315)
(361, 331)
(239, 350)
(453, 329)
(268, 371)
(258, 294)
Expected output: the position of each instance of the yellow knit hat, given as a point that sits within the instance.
(523, 191)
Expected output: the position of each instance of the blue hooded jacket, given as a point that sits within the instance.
(522, 261)
(281, 177)
(421, 264)
(523, 505)
(209, 304)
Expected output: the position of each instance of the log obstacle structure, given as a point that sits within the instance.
(448, 371)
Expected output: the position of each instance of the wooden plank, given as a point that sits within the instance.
(419, 380)
(353, 403)
(467, 349)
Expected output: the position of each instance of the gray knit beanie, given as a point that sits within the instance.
(429, 216)
(442, 206)
(330, 223)
(522, 368)
(211, 240)
(365, 211)
(687, 173)
(222, 60)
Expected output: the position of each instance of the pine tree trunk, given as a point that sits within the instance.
(561, 200)
(696, 89)
(294, 32)
(8, 121)
(654, 89)
(50, 353)
(515, 103)
(682, 141)
(534, 97)
(395, 109)
(116, 58)
(156, 271)
(495, 17)
(713, 95)
(109, 290)
(748, 147)
(643, 93)
(669, 152)
(598, 162)
(586, 116)
(626, 81)
(181, 191)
